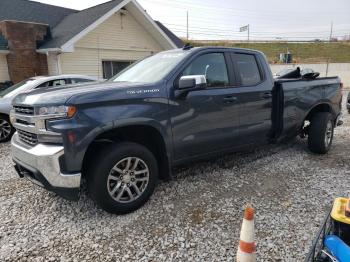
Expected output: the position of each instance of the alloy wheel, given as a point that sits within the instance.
(128, 179)
(329, 133)
(5, 129)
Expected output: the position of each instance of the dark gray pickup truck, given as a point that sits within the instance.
(169, 109)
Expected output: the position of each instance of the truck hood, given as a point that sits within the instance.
(81, 93)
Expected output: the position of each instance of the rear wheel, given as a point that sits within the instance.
(6, 129)
(123, 178)
(321, 132)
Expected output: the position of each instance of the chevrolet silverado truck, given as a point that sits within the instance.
(169, 109)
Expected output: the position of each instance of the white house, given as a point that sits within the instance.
(98, 41)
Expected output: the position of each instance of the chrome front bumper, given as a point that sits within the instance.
(43, 161)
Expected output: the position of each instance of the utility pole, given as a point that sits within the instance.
(248, 32)
(187, 25)
(330, 35)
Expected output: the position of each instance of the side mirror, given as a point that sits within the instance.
(190, 83)
(193, 81)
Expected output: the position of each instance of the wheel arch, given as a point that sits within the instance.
(146, 134)
(320, 107)
(4, 115)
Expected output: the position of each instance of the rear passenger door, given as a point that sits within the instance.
(255, 98)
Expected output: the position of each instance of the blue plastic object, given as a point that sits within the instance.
(338, 248)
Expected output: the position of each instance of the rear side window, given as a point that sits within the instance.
(213, 66)
(80, 80)
(248, 69)
(58, 82)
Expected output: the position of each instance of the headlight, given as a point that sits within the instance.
(58, 111)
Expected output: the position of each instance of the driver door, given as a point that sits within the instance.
(206, 121)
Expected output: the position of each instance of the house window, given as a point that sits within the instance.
(111, 68)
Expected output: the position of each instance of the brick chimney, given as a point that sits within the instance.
(23, 60)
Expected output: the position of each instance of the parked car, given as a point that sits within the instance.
(6, 96)
(166, 110)
(5, 85)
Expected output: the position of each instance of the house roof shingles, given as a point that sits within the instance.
(29, 11)
(64, 23)
(177, 41)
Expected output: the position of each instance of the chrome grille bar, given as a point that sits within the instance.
(26, 110)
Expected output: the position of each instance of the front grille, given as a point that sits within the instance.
(28, 138)
(20, 121)
(26, 110)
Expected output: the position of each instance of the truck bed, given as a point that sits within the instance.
(293, 100)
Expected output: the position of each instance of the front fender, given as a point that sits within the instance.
(78, 133)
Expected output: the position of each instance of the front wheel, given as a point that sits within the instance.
(321, 132)
(6, 129)
(123, 178)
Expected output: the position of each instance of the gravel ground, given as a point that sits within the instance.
(194, 217)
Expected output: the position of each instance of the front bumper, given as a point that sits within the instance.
(41, 165)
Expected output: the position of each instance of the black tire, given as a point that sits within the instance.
(321, 132)
(6, 129)
(99, 184)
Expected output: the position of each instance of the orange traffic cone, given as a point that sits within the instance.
(247, 248)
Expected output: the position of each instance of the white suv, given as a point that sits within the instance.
(6, 96)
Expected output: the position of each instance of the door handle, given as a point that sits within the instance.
(230, 99)
(266, 95)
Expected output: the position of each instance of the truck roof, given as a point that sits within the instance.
(196, 49)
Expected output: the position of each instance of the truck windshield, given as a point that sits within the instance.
(150, 69)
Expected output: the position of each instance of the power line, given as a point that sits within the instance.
(219, 31)
(206, 29)
(220, 21)
(184, 5)
(259, 36)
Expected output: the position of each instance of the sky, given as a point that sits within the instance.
(267, 19)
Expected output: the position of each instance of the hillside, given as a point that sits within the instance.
(336, 52)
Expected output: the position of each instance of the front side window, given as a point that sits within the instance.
(213, 66)
(248, 69)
